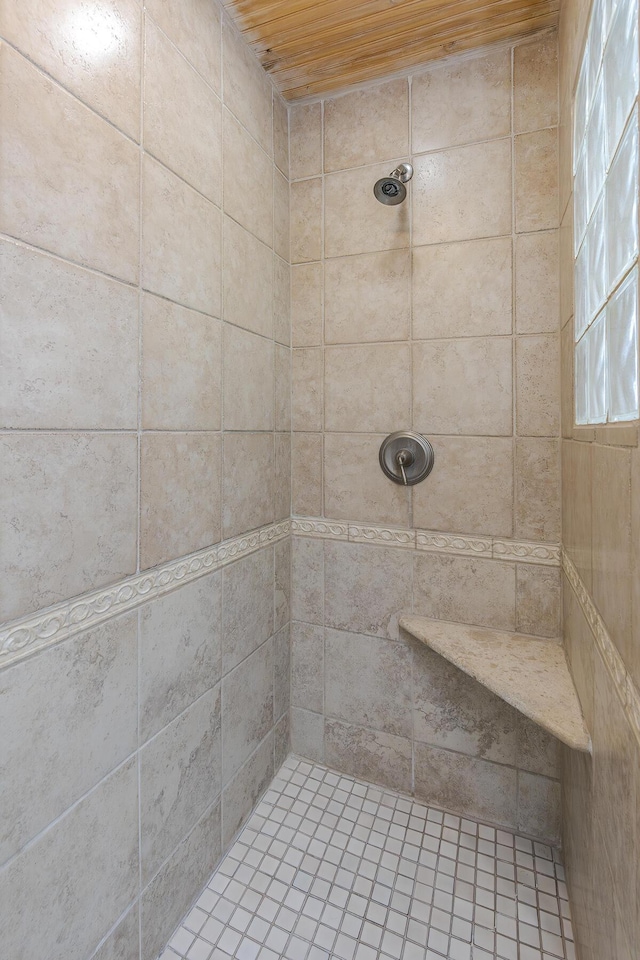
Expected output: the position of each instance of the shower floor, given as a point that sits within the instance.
(333, 868)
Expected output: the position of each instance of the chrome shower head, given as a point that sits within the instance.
(391, 190)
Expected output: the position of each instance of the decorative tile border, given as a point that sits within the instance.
(20, 638)
(458, 544)
(627, 690)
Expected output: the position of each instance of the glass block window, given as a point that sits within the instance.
(605, 196)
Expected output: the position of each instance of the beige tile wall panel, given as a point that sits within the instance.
(354, 220)
(355, 487)
(195, 28)
(537, 282)
(305, 141)
(367, 297)
(248, 177)
(366, 126)
(248, 372)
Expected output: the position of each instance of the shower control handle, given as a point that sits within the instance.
(406, 457)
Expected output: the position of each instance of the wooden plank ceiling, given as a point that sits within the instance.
(312, 47)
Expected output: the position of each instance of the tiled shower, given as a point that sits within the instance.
(217, 740)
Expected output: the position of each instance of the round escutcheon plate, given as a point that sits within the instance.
(406, 457)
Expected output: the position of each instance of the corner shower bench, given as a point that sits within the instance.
(529, 673)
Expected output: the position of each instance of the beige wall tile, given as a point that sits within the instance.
(307, 734)
(247, 90)
(283, 387)
(282, 672)
(194, 27)
(307, 575)
(371, 754)
(566, 380)
(248, 178)
(462, 102)
(181, 241)
(306, 468)
(537, 489)
(579, 644)
(442, 501)
(368, 297)
(462, 193)
(366, 387)
(354, 220)
(307, 388)
(470, 306)
(305, 140)
(248, 482)
(280, 133)
(306, 304)
(448, 378)
(249, 395)
(247, 280)
(465, 589)
(68, 516)
(281, 301)
(633, 660)
(538, 751)
(281, 214)
(188, 140)
(179, 499)
(307, 666)
(538, 600)
(87, 375)
(576, 506)
(282, 495)
(565, 262)
(181, 367)
(59, 38)
(536, 183)
(367, 126)
(535, 84)
(64, 165)
(306, 220)
(539, 806)
(355, 488)
(282, 600)
(248, 607)
(247, 694)
(538, 386)
(241, 795)
(537, 290)
(367, 588)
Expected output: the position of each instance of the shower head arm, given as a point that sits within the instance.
(403, 172)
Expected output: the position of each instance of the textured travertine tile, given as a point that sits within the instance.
(306, 478)
(453, 711)
(248, 607)
(538, 386)
(181, 242)
(538, 600)
(240, 796)
(282, 740)
(306, 220)
(538, 751)
(247, 716)
(248, 381)
(371, 754)
(368, 682)
(52, 34)
(123, 943)
(68, 516)
(537, 488)
(281, 215)
(247, 90)
(87, 375)
(462, 102)
(171, 892)
(179, 499)
(307, 734)
(282, 671)
(248, 178)
(181, 367)
(539, 806)
(248, 290)
(307, 666)
(194, 27)
(59, 158)
(633, 660)
(611, 519)
(179, 778)
(77, 879)
(180, 657)
(536, 180)
(367, 126)
(367, 588)
(307, 571)
(579, 645)
(576, 506)
(465, 589)
(305, 140)
(68, 750)
(280, 133)
(565, 265)
(537, 291)
(248, 482)
(283, 387)
(462, 193)
(354, 220)
(466, 785)
(535, 84)
(282, 583)
(281, 301)
(188, 140)
(307, 387)
(449, 376)
(368, 297)
(282, 500)
(306, 304)
(470, 306)
(365, 387)
(355, 488)
(442, 501)
(566, 380)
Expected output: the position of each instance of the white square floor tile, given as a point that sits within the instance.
(332, 868)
